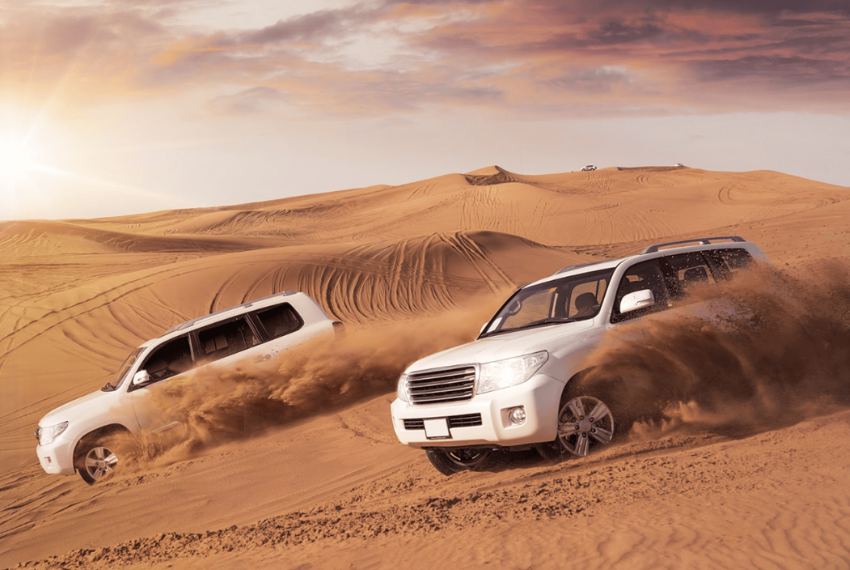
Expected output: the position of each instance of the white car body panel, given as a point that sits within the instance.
(129, 406)
(568, 345)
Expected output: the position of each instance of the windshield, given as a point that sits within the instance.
(572, 298)
(128, 363)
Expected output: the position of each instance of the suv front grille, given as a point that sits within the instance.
(445, 385)
(466, 420)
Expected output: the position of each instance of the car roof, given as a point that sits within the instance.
(224, 314)
(650, 252)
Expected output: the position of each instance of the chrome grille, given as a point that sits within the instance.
(466, 420)
(444, 385)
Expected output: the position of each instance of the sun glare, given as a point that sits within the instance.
(15, 159)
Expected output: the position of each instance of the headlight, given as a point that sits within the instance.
(510, 372)
(46, 435)
(402, 388)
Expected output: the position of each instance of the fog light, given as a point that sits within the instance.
(517, 415)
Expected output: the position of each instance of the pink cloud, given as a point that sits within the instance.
(568, 58)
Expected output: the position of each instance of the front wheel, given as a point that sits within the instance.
(453, 461)
(585, 423)
(95, 461)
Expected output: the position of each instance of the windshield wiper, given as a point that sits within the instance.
(532, 324)
(541, 322)
(108, 388)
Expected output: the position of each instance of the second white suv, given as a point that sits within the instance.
(514, 387)
(76, 436)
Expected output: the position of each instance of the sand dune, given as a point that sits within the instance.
(77, 295)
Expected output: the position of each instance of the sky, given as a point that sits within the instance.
(112, 107)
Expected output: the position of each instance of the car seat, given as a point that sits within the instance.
(586, 305)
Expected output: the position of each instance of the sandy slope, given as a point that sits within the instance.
(75, 296)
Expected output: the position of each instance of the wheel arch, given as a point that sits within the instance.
(574, 383)
(102, 431)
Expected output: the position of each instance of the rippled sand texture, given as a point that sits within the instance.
(334, 489)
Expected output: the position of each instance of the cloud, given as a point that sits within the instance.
(316, 26)
(564, 57)
(779, 69)
(248, 101)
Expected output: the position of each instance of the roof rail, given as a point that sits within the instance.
(188, 324)
(571, 267)
(702, 241)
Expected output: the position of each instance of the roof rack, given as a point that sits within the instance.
(188, 324)
(702, 241)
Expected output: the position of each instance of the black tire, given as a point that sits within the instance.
(456, 460)
(551, 451)
(598, 432)
(94, 459)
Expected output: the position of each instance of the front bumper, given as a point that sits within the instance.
(539, 396)
(57, 458)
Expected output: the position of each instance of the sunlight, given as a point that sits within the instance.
(15, 160)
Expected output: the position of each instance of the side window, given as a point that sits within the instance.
(642, 276)
(279, 321)
(585, 298)
(732, 261)
(690, 269)
(170, 359)
(225, 339)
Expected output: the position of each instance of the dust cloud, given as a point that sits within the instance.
(764, 350)
(212, 407)
(768, 349)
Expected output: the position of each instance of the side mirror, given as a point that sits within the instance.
(141, 377)
(637, 300)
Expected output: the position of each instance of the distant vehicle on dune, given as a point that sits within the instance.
(589, 167)
(517, 386)
(75, 437)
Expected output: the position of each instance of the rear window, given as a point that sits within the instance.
(732, 261)
(690, 269)
(279, 321)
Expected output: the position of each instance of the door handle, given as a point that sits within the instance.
(262, 358)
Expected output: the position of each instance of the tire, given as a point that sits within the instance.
(457, 460)
(95, 460)
(551, 451)
(589, 417)
(585, 423)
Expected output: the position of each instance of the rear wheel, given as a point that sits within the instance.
(455, 460)
(95, 461)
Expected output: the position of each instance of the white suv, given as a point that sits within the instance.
(514, 387)
(75, 437)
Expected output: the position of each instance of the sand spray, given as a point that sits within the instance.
(776, 352)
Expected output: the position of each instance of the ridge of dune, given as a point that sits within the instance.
(485, 171)
(597, 207)
(46, 237)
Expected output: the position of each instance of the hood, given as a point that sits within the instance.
(502, 346)
(87, 406)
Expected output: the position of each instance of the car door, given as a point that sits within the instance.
(171, 360)
(646, 276)
(692, 276)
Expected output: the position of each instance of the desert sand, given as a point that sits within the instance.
(410, 269)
